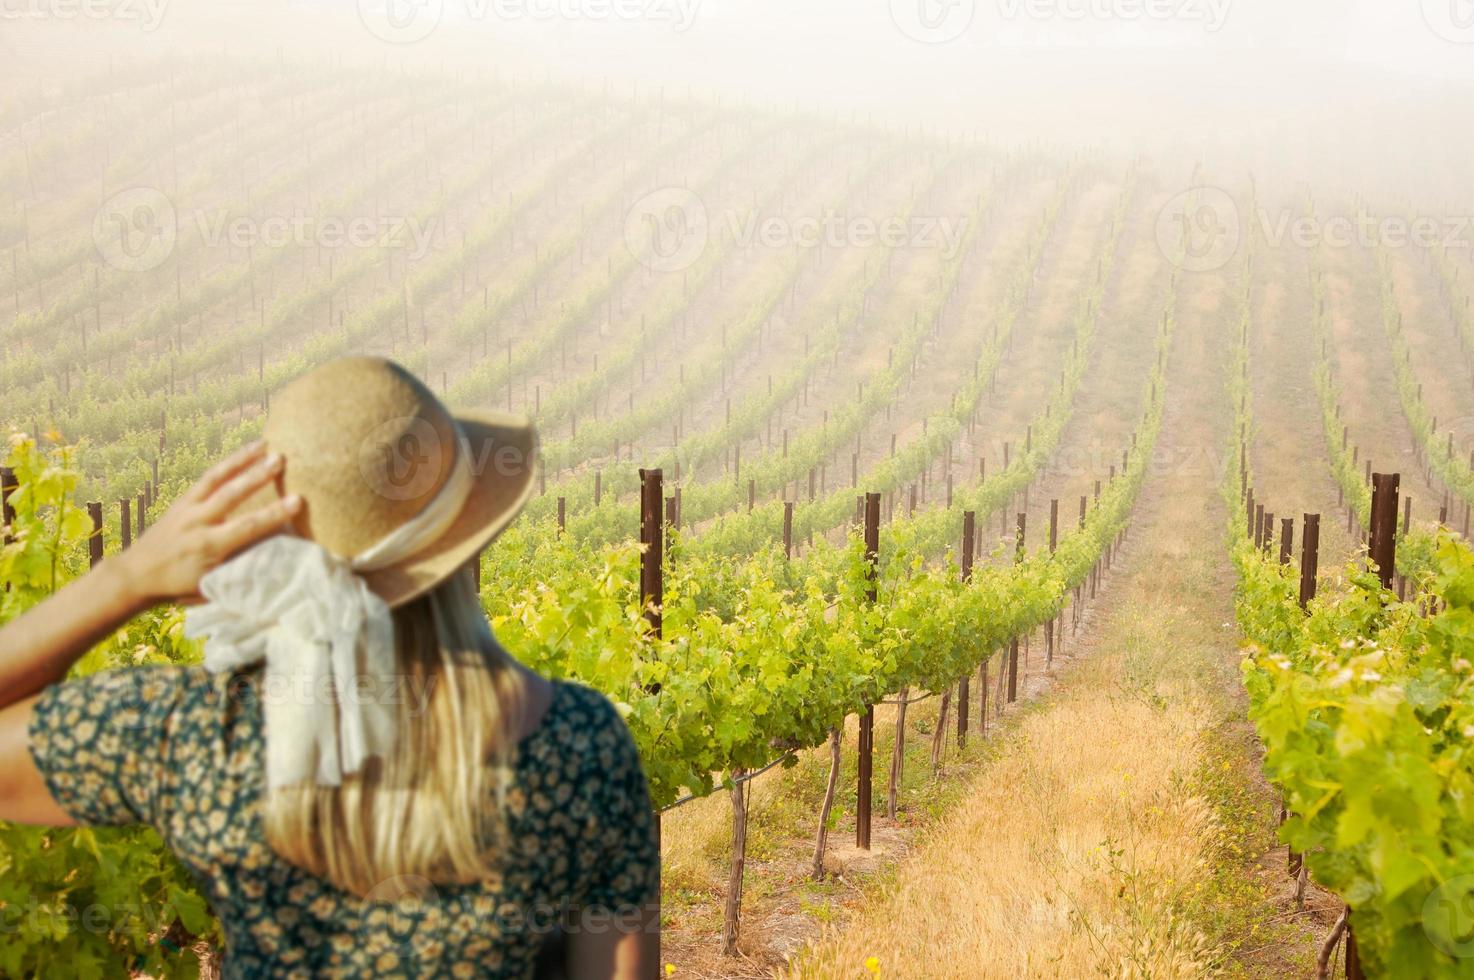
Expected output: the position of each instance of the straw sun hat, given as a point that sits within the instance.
(369, 449)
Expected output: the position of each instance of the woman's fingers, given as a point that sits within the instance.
(222, 471)
(239, 488)
(241, 532)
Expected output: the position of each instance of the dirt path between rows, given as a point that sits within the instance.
(1122, 827)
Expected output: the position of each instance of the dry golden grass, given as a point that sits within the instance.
(696, 838)
(1079, 844)
(1087, 838)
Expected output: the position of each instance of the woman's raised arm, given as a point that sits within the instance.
(166, 563)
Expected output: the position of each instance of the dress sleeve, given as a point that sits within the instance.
(102, 743)
(629, 875)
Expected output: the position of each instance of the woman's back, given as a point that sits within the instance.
(183, 750)
(364, 782)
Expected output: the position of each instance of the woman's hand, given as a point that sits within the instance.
(201, 529)
(167, 562)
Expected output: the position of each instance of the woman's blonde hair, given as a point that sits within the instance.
(421, 815)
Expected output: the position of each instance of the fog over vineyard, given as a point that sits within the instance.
(1049, 425)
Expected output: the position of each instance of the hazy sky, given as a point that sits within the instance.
(1418, 36)
(1352, 93)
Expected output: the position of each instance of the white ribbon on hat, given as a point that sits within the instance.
(326, 639)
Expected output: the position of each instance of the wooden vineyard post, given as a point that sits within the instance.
(652, 536)
(867, 719)
(142, 515)
(983, 695)
(731, 918)
(1013, 643)
(1383, 528)
(8, 485)
(125, 523)
(1096, 570)
(787, 529)
(898, 751)
(652, 582)
(562, 513)
(1287, 538)
(1309, 562)
(969, 520)
(821, 838)
(1053, 546)
(1075, 606)
(1309, 557)
(938, 736)
(94, 542)
(751, 494)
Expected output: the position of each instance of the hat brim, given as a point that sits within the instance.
(504, 462)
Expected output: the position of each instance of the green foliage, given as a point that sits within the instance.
(1414, 549)
(79, 902)
(734, 530)
(758, 654)
(1365, 707)
(1366, 710)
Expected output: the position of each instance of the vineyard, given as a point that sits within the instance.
(983, 578)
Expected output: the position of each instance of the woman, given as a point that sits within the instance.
(361, 780)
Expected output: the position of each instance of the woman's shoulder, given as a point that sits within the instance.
(578, 774)
(173, 700)
(585, 725)
(114, 744)
(119, 690)
(576, 699)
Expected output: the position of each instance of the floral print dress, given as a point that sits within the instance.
(181, 750)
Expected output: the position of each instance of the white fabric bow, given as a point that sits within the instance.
(329, 694)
